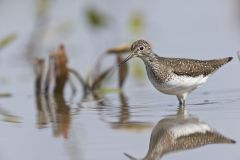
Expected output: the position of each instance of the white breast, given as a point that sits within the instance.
(189, 128)
(179, 85)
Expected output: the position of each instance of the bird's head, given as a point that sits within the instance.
(139, 48)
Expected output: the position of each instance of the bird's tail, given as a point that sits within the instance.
(223, 139)
(228, 59)
(220, 62)
(130, 157)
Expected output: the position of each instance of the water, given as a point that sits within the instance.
(123, 124)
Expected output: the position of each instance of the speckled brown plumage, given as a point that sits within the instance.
(162, 68)
(174, 76)
(167, 136)
(199, 139)
(135, 45)
(193, 68)
(179, 66)
(163, 141)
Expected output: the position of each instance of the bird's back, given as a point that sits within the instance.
(193, 68)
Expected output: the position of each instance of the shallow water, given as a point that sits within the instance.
(90, 130)
(120, 123)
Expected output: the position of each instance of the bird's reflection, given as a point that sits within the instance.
(181, 132)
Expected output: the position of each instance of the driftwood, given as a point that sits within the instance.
(52, 108)
(53, 74)
(52, 77)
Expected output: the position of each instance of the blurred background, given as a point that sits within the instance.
(106, 127)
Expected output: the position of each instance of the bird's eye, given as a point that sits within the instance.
(141, 48)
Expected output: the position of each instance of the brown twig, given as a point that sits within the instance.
(5, 95)
(48, 75)
(122, 72)
(98, 81)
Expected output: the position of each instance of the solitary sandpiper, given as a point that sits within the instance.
(174, 76)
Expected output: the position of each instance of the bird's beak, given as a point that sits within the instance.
(125, 60)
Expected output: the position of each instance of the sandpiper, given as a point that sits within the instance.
(174, 76)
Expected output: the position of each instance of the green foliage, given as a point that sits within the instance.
(136, 23)
(11, 119)
(8, 117)
(95, 18)
(104, 91)
(7, 40)
(132, 126)
(43, 6)
(138, 71)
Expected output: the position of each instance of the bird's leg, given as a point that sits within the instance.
(181, 101)
(181, 105)
(182, 98)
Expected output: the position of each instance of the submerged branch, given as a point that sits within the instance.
(5, 95)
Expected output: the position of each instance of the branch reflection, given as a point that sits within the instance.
(54, 110)
(124, 116)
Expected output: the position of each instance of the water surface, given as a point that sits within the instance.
(120, 123)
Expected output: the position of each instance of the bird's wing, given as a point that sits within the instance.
(199, 139)
(190, 67)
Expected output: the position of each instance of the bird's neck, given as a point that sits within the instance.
(156, 153)
(149, 58)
